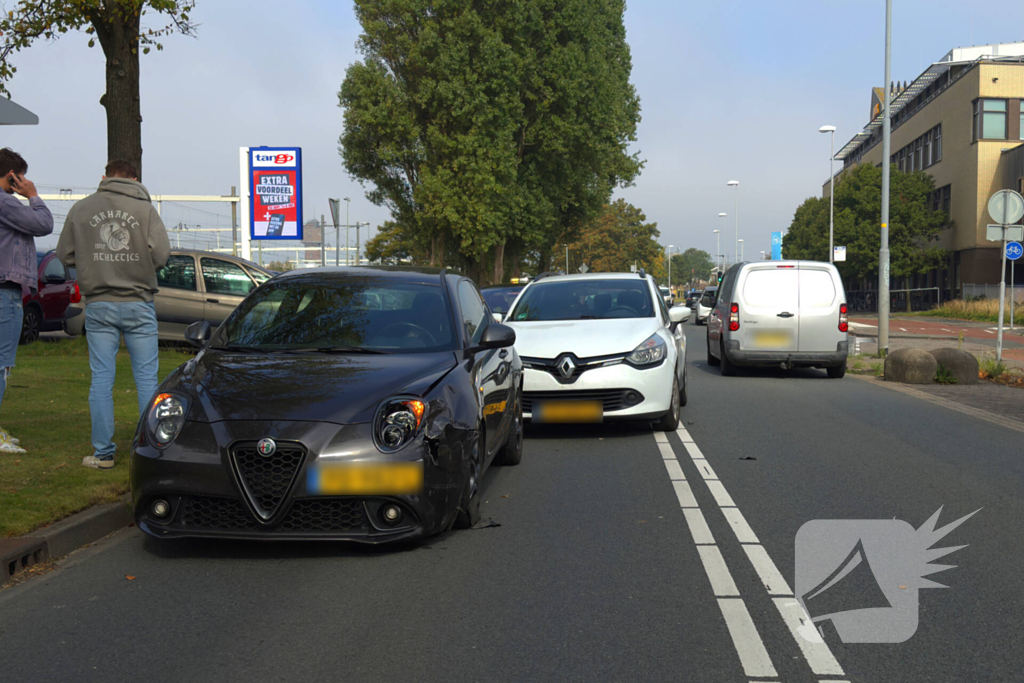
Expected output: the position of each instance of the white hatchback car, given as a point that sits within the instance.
(599, 347)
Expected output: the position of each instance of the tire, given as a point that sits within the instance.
(728, 369)
(683, 398)
(837, 371)
(511, 453)
(31, 324)
(468, 513)
(712, 361)
(669, 422)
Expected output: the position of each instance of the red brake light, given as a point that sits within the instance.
(785, 266)
(844, 320)
(76, 295)
(734, 317)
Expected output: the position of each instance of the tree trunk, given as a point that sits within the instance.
(119, 36)
(499, 263)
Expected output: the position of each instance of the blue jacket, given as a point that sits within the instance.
(19, 226)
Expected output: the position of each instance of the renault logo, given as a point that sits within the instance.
(566, 367)
(266, 447)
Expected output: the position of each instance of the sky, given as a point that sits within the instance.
(729, 90)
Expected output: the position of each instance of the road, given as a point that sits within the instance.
(596, 571)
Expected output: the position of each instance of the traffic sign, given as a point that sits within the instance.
(1014, 250)
(839, 253)
(1006, 207)
(1010, 233)
(584, 268)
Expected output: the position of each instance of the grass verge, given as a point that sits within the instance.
(47, 407)
(979, 310)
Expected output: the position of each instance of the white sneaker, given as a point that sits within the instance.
(97, 464)
(4, 434)
(9, 447)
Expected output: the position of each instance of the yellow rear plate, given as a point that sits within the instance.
(772, 340)
(568, 411)
(363, 479)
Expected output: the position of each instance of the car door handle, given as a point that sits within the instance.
(785, 314)
(213, 301)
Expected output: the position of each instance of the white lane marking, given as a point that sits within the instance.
(903, 329)
(666, 451)
(675, 472)
(684, 494)
(705, 469)
(753, 655)
(990, 331)
(739, 525)
(698, 526)
(722, 496)
(661, 437)
(694, 452)
(684, 435)
(814, 648)
(718, 574)
(766, 570)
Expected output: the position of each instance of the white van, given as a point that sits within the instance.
(783, 313)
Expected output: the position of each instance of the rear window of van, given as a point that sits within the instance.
(816, 289)
(771, 288)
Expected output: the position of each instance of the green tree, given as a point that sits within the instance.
(692, 264)
(117, 25)
(617, 239)
(913, 225)
(390, 245)
(489, 129)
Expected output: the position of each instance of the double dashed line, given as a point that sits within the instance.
(753, 655)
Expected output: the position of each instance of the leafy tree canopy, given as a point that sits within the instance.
(913, 225)
(486, 126)
(692, 264)
(617, 239)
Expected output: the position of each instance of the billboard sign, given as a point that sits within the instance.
(275, 176)
(777, 246)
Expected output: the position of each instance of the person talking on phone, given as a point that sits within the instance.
(19, 226)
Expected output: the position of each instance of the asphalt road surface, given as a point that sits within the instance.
(618, 557)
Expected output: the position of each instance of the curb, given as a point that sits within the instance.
(66, 536)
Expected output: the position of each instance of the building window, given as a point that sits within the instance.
(928, 149)
(990, 119)
(940, 199)
(918, 155)
(937, 144)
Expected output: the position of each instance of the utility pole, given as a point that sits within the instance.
(883, 252)
(566, 259)
(347, 204)
(234, 222)
(736, 211)
(323, 241)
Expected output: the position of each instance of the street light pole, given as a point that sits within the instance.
(566, 259)
(741, 251)
(346, 231)
(883, 252)
(736, 215)
(831, 191)
(718, 243)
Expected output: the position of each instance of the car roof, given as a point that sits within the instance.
(217, 254)
(404, 273)
(591, 276)
(508, 286)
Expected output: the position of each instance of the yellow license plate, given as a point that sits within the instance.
(772, 340)
(568, 411)
(361, 479)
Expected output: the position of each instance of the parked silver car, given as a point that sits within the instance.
(782, 313)
(194, 286)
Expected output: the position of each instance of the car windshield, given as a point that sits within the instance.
(585, 300)
(314, 313)
(500, 299)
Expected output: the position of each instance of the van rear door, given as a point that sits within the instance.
(819, 309)
(769, 305)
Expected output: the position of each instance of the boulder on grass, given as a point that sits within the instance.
(962, 366)
(910, 366)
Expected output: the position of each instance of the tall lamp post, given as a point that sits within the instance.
(741, 251)
(347, 200)
(720, 254)
(566, 258)
(736, 214)
(671, 248)
(883, 252)
(831, 191)
(718, 244)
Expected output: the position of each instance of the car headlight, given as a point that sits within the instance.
(653, 350)
(166, 418)
(396, 423)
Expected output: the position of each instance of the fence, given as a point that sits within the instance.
(992, 292)
(866, 300)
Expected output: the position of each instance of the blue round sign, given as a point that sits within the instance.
(1014, 250)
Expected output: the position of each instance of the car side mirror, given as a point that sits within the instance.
(679, 314)
(497, 336)
(198, 333)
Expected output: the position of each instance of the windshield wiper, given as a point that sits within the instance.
(334, 349)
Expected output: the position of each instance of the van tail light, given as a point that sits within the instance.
(844, 320)
(76, 294)
(734, 317)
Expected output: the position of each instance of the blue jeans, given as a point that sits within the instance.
(10, 332)
(105, 322)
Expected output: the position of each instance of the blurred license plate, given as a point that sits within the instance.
(772, 340)
(396, 478)
(568, 411)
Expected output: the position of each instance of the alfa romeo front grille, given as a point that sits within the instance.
(209, 512)
(306, 514)
(328, 514)
(266, 480)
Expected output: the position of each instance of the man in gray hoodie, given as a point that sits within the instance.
(116, 240)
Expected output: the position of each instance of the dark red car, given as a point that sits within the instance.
(46, 308)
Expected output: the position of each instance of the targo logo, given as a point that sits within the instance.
(277, 159)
